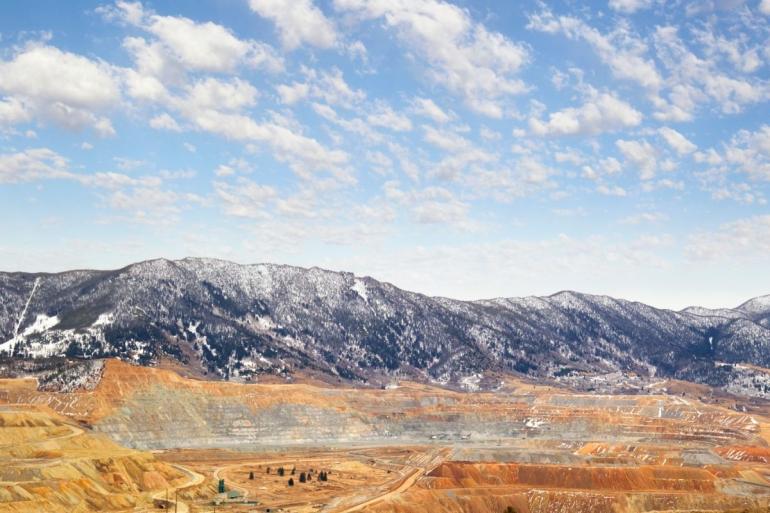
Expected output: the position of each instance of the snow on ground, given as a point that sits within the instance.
(360, 288)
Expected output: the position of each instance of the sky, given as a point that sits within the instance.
(472, 149)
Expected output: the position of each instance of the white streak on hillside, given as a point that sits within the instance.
(26, 306)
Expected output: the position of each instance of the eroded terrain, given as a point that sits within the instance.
(142, 433)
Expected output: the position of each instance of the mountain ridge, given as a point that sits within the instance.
(240, 321)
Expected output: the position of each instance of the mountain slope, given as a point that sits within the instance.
(239, 320)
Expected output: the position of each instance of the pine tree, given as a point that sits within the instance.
(251, 475)
(281, 471)
(302, 477)
(291, 481)
(268, 470)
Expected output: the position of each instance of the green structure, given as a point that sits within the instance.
(221, 486)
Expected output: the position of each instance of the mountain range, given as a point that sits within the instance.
(234, 321)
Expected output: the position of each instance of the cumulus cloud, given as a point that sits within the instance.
(305, 155)
(694, 80)
(431, 205)
(328, 85)
(611, 190)
(226, 95)
(298, 22)
(462, 55)
(45, 83)
(384, 116)
(641, 154)
(620, 50)
(32, 164)
(143, 197)
(165, 122)
(746, 152)
(428, 108)
(677, 141)
(192, 45)
(603, 113)
(244, 198)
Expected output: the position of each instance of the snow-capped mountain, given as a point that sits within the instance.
(240, 320)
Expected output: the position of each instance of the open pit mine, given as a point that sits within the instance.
(133, 438)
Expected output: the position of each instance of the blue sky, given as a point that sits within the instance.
(469, 149)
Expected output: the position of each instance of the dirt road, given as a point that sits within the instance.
(181, 507)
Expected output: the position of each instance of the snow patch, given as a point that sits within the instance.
(359, 287)
(42, 323)
(193, 328)
(104, 319)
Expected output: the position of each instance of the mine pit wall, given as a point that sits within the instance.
(160, 418)
(147, 408)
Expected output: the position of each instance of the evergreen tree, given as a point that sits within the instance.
(291, 481)
(251, 475)
(281, 471)
(268, 470)
(302, 477)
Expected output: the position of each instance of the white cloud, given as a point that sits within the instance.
(165, 122)
(694, 80)
(245, 198)
(461, 54)
(329, 85)
(746, 152)
(644, 217)
(48, 84)
(32, 164)
(620, 50)
(611, 190)
(428, 108)
(13, 112)
(602, 113)
(183, 44)
(677, 141)
(384, 116)
(291, 94)
(490, 135)
(200, 46)
(505, 182)
(142, 196)
(447, 140)
(630, 6)
(641, 154)
(764, 7)
(305, 155)
(431, 205)
(743, 239)
(298, 22)
(211, 93)
(152, 205)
